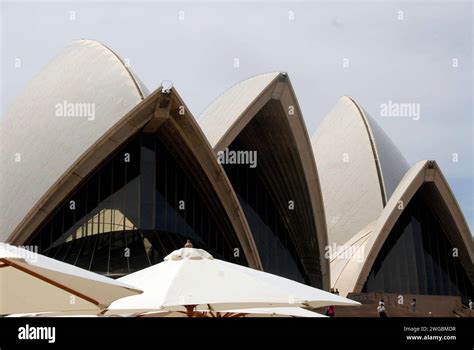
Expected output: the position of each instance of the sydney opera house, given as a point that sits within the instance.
(100, 173)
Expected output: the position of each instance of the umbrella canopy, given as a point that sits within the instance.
(32, 283)
(52, 314)
(269, 312)
(274, 312)
(192, 280)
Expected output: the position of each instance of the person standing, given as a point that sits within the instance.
(381, 309)
(330, 311)
(413, 305)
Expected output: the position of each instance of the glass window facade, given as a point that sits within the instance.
(268, 221)
(139, 206)
(271, 236)
(417, 257)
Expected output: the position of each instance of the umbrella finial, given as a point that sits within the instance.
(188, 244)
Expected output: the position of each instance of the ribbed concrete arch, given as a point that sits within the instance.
(257, 100)
(349, 272)
(356, 160)
(160, 112)
(37, 145)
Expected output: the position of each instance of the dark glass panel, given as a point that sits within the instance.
(442, 242)
(57, 227)
(190, 213)
(85, 257)
(118, 216)
(100, 258)
(205, 225)
(93, 193)
(452, 271)
(51, 252)
(147, 197)
(171, 196)
(134, 207)
(118, 264)
(447, 254)
(36, 241)
(159, 250)
(430, 282)
(270, 233)
(45, 237)
(126, 214)
(420, 279)
(62, 251)
(433, 238)
(388, 274)
(80, 202)
(138, 257)
(68, 218)
(212, 234)
(180, 203)
(118, 172)
(73, 251)
(161, 185)
(197, 217)
(105, 176)
(132, 167)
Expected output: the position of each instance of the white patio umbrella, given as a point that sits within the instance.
(270, 312)
(33, 283)
(192, 280)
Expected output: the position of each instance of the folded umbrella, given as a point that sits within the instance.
(34, 283)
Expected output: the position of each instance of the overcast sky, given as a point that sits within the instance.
(404, 57)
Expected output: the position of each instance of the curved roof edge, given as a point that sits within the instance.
(350, 272)
(383, 147)
(228, 115)
(222, 119)
(373, 146)
(141, 87)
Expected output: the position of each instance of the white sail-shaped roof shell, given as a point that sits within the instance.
(359, 167)
(37, 146)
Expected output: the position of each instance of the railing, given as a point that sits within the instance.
(373, 297)
(391, 300)
(462, 310)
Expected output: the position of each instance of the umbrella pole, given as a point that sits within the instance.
(190, 310)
